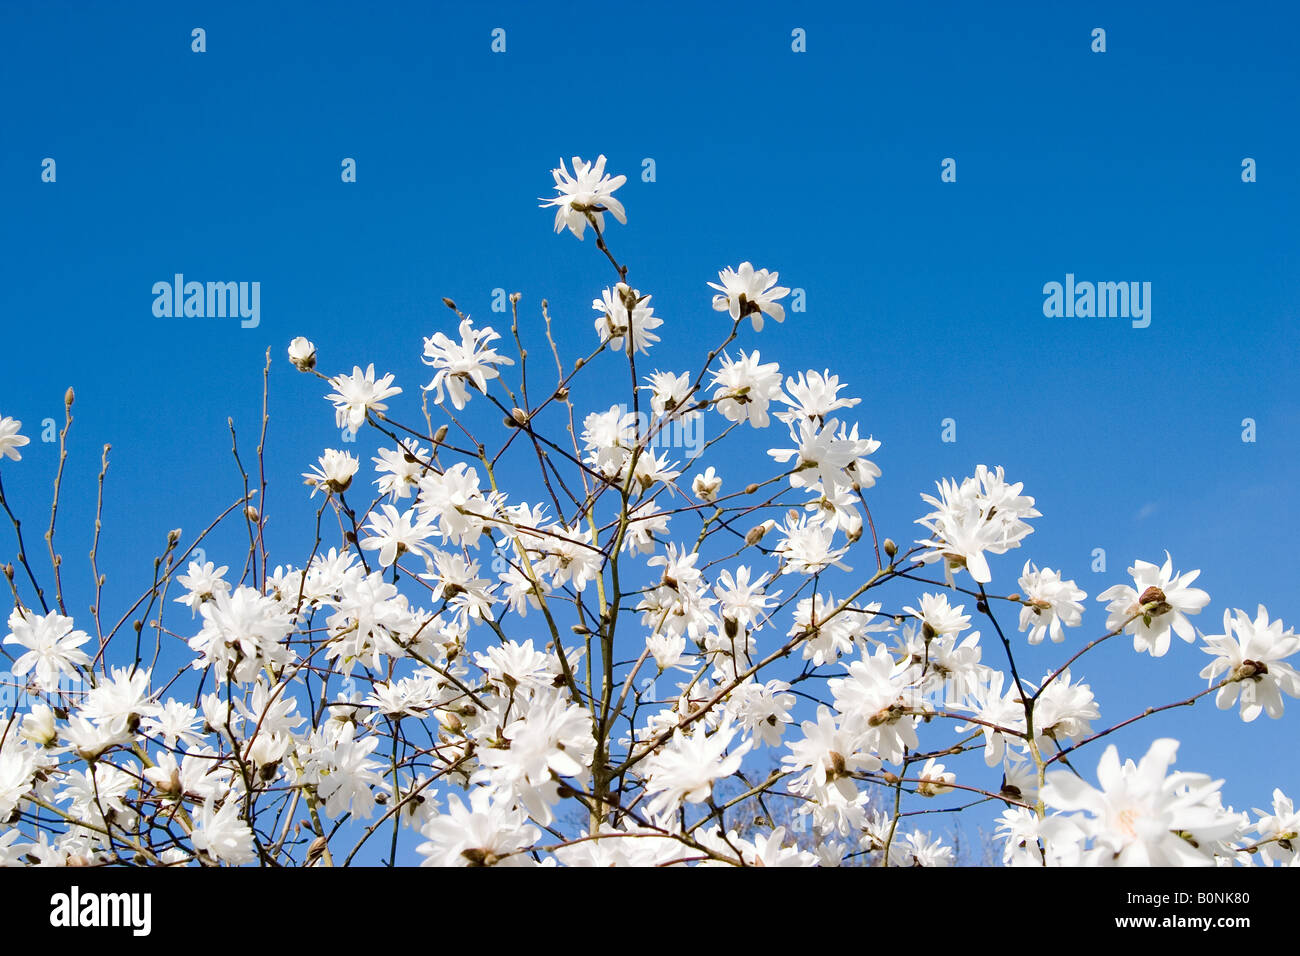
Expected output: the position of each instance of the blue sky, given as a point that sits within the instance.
(926, 297)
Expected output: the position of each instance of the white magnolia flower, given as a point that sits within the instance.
(829, 753)
(684, 770)
(706, 485)
(668, 393)
(16, 770)
(744, 388)
(824, 453)
(53, 647)
(204, 582)
(302, 353)
(467, 362)
(1049, 603)
(1158, 603)
(10, 440)
(1253, 661)
(587, 192)
(121, 702)
(982, 514)
(815, 396)
(1138, 815)
(222, 834)
(393, 533)
(935, 780)
(333, 473)
(1279, 831)
(938, 617)
(400, 470)
(347, 776)
(550, 739)
(356, 394)
(618, 321)
(746, 291)
(489, 832)
(242, 633)
(38, 726)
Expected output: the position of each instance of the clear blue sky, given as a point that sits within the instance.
(925, 296)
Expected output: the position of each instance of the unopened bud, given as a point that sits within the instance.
(173, 536)
(519, 416)
(68, 397)
(755, 534)
(440, 434)
(450, 721)
(891, 548)
(251, 513)
(448, 303)
(751, 488)
(317, 848)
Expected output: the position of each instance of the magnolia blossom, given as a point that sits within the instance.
(745, 291)
(588, 192)
(221, 833)
(744, 388)
(52, 646)
(489, 832)
(706, 484)
(1159, 603)
(10, 440)
(1139, 813)
(333, 473)
(1049, 604)
(981, 514)
(689, 764)
(1250, 655)
(814, 395)
(625, 313)
(302, 353)
(359, 393)
(467, 362)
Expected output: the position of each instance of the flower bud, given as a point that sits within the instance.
(891, 548)
(302, 353)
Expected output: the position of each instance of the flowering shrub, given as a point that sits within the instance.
(595, 653)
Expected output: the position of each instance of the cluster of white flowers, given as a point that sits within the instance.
(602, 665)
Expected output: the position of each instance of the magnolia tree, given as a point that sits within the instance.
(548, 640)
